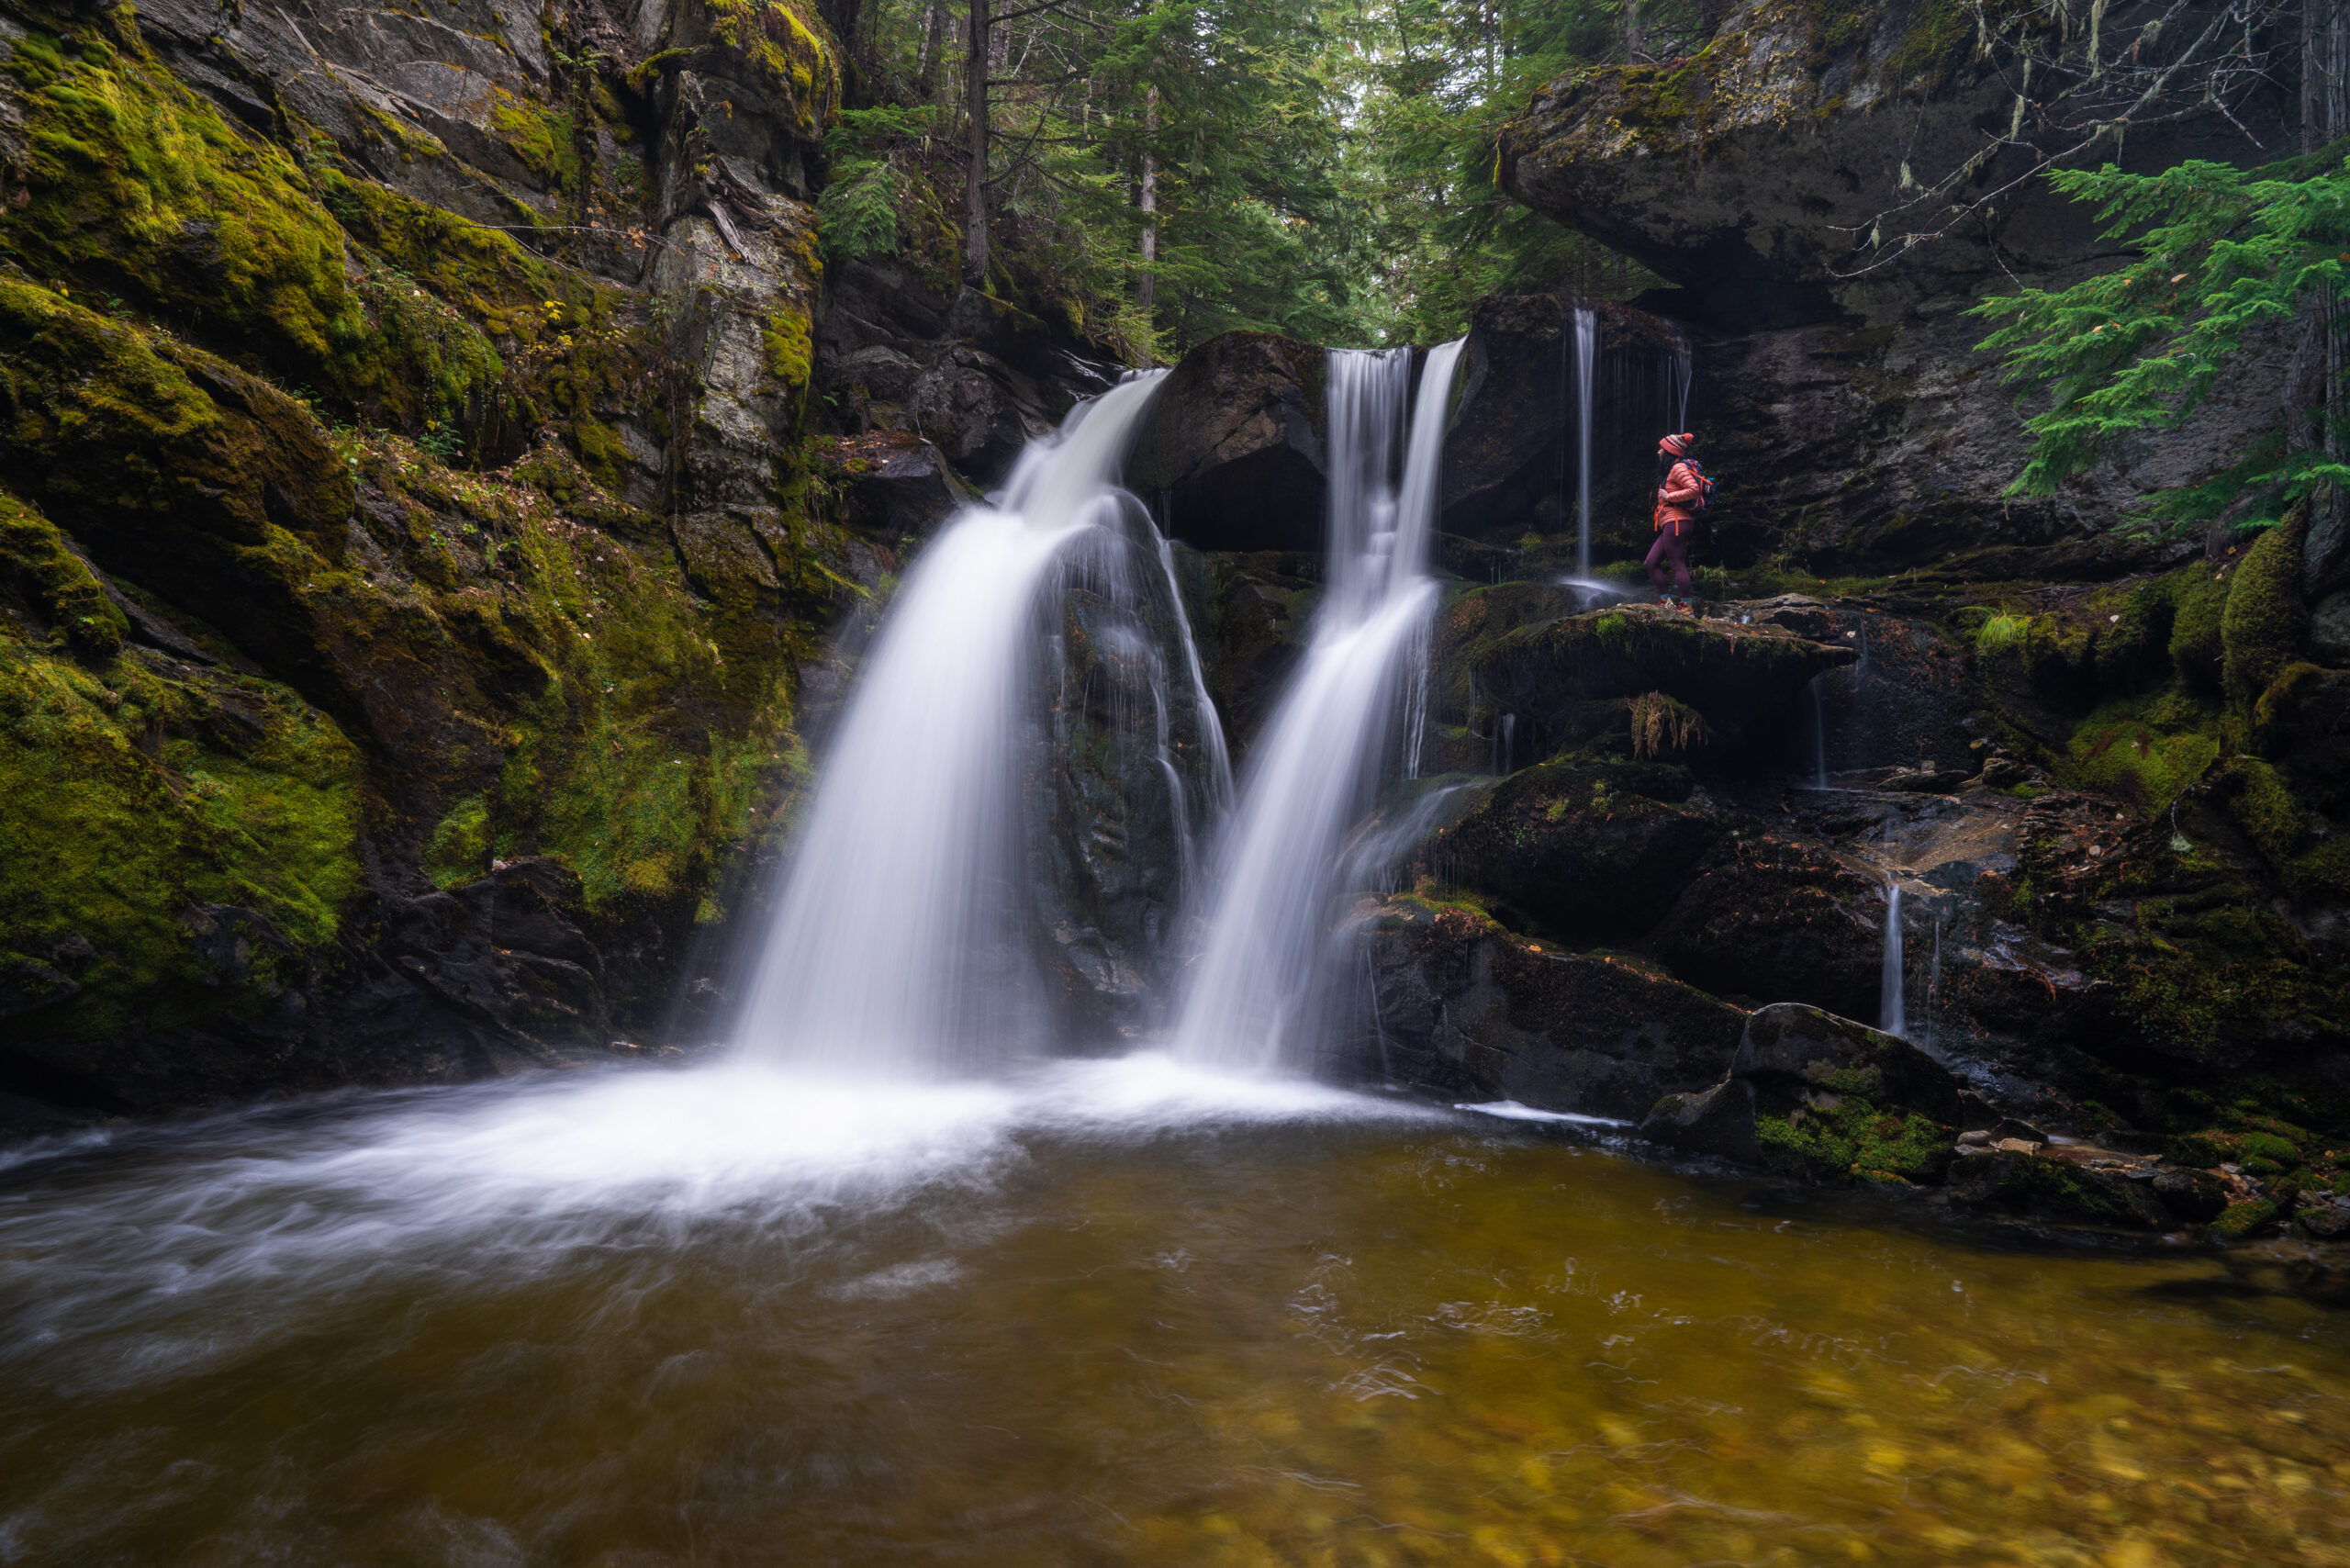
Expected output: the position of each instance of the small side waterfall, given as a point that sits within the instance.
(1587, 345)
(1889, 1006)
(1323, 747)
(894, 951)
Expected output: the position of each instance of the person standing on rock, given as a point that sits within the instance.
(1683, 491)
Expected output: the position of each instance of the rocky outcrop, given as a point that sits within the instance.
(1680, 686)
(409, 724)
(1462, 1002)
(1814, 1096)
(1842, 402)
(1231, 456)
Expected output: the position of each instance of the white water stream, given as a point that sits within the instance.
(1326, 745)
(895, 952)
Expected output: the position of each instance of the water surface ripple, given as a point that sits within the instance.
(1099, 1313)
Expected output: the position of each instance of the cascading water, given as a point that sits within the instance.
(1586, 342)
(1889, 1006)
(1322, 750)
(892, 954)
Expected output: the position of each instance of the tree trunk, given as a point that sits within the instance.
(1635, 46)
(1148, 290)
(934, 44)
(2313, 391)
(975, 180)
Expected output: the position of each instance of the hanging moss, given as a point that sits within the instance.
(2262, 629)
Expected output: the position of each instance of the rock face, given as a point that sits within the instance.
(414, 727)
(1842, 399)
(1232, 455)
(1512, 456)
(1462, 1002)
(1133, 785)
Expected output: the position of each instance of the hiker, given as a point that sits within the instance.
(1683, 491)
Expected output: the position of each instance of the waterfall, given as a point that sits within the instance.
(1587, 355)
(1682, 368)
(1323, 749)
(896, 948)
(1889, 1018)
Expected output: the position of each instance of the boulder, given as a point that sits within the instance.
(2195, 1195)
(1464, 1003)
(1778, 919)
(978, 410)
(1249, 613)
(1231, 455)
(898, 486)
(1741, 681)
(1583, 848)
(2044, 1186)
(1820, 1098)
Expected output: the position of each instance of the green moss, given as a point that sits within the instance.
(60, 588)
(2199, 599)
(126, 801)
(2262, 629)
(2264, 807)
(141, 188)
(789, 351)
(2244, 1219)
(540, 136)
(2143, 750)
(458, 850)
(1853, 1138)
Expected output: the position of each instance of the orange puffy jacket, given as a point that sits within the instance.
(1680, 487)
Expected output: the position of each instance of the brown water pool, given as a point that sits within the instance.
(1108, 1314)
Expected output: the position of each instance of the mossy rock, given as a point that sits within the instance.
(1742, 679)
(2240, 1221)
(2266, 621)
(2045, 1187)
(136, 799)
(55, 583)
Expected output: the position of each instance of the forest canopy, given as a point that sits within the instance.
(1164, 172)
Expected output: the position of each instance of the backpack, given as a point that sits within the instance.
(1704, 500)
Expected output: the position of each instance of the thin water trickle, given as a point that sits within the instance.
(891, 954)
(1889, 1005)
(1327, 742)
(1586, 340)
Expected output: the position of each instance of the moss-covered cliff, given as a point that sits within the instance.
(406, 543)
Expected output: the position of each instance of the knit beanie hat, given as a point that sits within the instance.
(1678, 445)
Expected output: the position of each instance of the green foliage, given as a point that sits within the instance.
(2002, 632)
(2218, 251)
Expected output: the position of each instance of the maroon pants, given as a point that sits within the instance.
(1672, 545)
